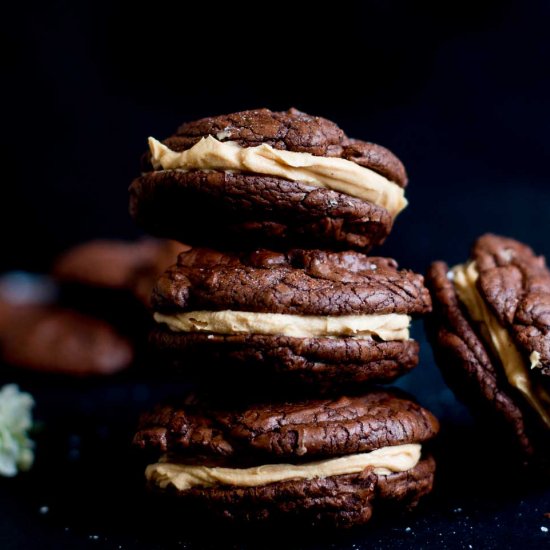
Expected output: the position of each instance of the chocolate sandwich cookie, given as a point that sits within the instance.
(268, 177)
(320, 461)
(324, 318)
(491, 334)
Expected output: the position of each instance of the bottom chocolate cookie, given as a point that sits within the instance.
(340, 501)
(322, 363)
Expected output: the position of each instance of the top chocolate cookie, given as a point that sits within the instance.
(270, 178)
(291, 130)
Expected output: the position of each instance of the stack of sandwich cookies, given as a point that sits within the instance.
(268, 178)
(308, 316)
(491, 335)
(277, 298)
(325, 461)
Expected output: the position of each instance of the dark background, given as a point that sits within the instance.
(460, 91)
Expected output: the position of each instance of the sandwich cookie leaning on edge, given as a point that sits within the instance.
(268, 177)
(490, 330)
(322, 461)
(306, 316)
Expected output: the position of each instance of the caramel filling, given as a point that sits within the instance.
(333, 173)
(387, 327)
(384, 461)
(497, 337)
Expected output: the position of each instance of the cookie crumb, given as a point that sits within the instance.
(507, 254)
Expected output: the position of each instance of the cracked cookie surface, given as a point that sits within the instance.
(302, 282)
(260, 209)
(283, 362)
(341, 501)
(299, 282)
(296, 432)
(514, 285)
(466, 363)
(316, 428)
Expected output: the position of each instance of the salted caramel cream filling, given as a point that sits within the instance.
(334, 173)
(387, 327)
(182, 477)
(515, 366)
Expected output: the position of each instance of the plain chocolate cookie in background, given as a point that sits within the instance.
(113, 280)
(54, 340)
(126, 266)
(95, 318)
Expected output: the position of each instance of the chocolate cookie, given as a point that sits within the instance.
(118, 265)
(491, 336)
(268, 177)
(305, 316)
(50, 339)
(113, 280)
(324, 461)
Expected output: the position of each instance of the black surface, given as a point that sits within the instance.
(86, 489)
(459, 90)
